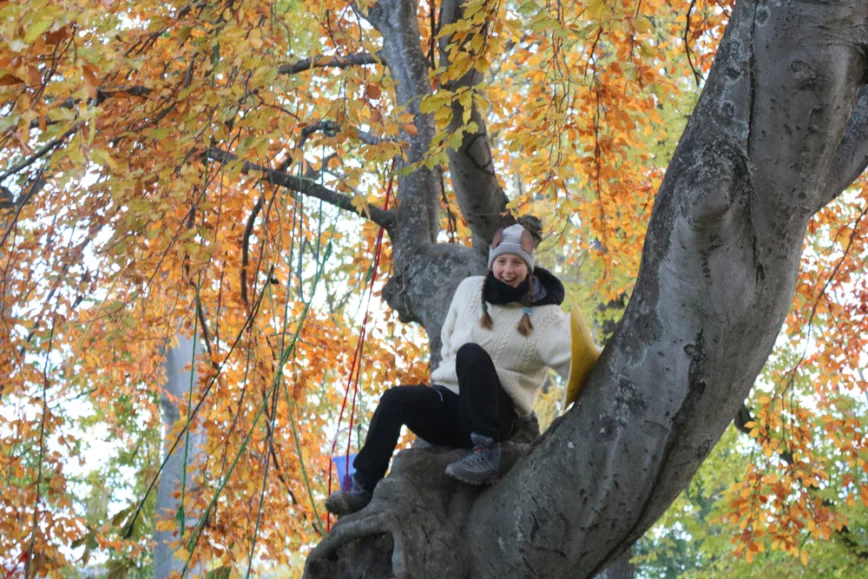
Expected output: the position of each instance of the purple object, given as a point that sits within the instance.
(341, 463)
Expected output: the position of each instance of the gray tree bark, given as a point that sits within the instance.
(176, 388)
(620, 568)
(778, 132)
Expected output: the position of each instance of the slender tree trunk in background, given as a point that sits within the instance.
(780, 130)
(176, 388)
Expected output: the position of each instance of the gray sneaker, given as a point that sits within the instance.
(481, 466)
(342, 503)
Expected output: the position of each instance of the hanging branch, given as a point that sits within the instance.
(308, 187)
(332, 62)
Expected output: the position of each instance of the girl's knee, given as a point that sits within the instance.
(391, 395)
(469, 353)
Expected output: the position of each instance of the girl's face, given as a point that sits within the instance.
(510, 269)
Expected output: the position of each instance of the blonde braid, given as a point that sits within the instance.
(486, 321)
(525, 327)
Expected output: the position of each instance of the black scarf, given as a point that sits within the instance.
(497, 292)
(547, 289)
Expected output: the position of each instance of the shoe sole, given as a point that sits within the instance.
(474, 482)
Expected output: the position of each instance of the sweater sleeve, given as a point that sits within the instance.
(449, 326)
(554, 346)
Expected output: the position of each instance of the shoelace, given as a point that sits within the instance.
(479, 455)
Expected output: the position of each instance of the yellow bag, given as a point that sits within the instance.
(584, 355)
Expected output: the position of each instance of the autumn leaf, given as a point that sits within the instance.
(373, 91)
(59, 35)
(91, 81)
(36, 28)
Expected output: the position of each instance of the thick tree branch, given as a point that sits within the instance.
(300, 185)
(717, 277)
(418, 190)
(329, 61)
(480, 196)
(852, 156)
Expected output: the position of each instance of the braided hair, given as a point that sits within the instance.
(486, 321)
(525, 327)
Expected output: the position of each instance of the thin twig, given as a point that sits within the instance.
(697, 76)
(40, 153)
(38, 184)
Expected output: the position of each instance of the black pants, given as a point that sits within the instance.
(438, 415)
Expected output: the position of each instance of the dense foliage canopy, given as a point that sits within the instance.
(219, 169)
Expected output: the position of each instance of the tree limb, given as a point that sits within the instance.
(245, 249)
(852, 156)
(718, 274)
(329, 61)
(385, 219)
(418, 190)
(474, 179)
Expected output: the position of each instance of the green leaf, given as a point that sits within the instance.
(179, 516)
(38, 28)
(102, 157)
(595, 8)
(219, 573)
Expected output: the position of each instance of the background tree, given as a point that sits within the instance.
(182, 165)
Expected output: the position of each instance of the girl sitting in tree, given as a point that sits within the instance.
(502, 333)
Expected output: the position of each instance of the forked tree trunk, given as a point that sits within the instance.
(767, 146)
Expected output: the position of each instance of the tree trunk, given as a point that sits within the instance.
(621, 568)
(771, 136)
(176, 388)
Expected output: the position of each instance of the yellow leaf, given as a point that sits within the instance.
(360, 204)
(102, 157)
(595, 8)
(643, 24)
(36, 29)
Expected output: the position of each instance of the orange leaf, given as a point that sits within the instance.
(410, 128)
(33, 75)
(373, 91)
(91, 82)
(58, 35)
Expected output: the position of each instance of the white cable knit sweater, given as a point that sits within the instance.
(521, 362)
